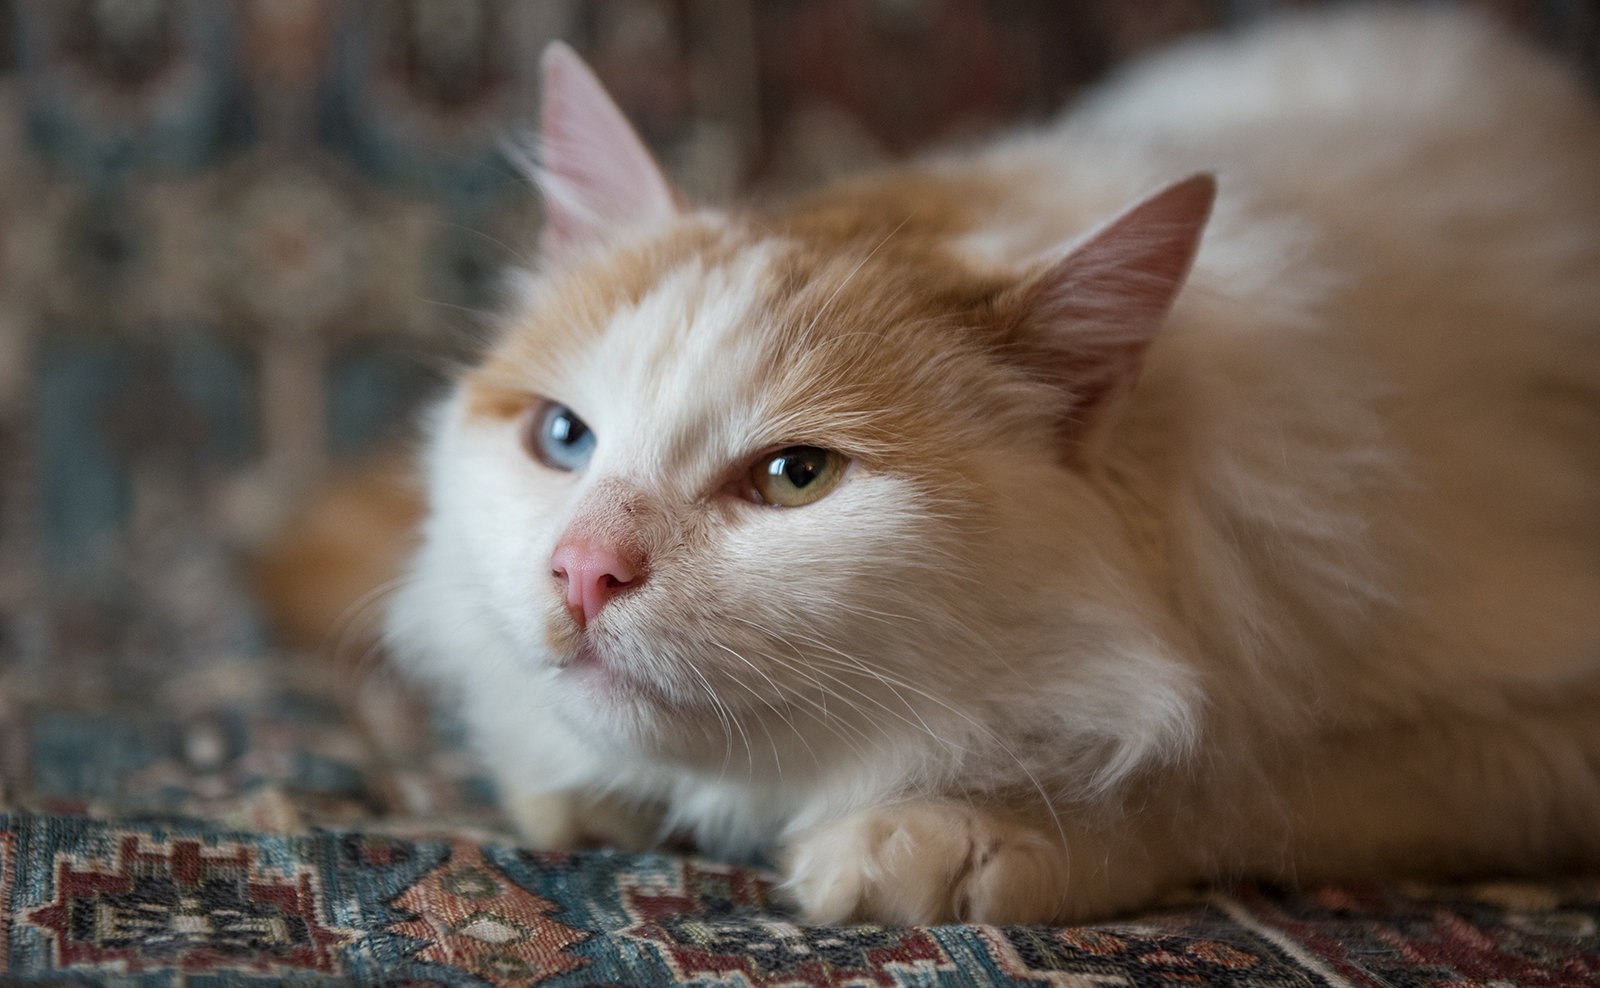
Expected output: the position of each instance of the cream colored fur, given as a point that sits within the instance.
(1319, 598)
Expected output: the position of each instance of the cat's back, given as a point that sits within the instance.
(1364, 100)
(1442, 182)
(1424, 146)
(1390, 128)
(1427, 176)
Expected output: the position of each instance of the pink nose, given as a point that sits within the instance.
(594, 572)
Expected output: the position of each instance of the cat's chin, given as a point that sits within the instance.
(607, 701)
(602, 699)
(600, 682)
(603, 678)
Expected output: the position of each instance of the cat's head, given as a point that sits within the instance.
(806, 485)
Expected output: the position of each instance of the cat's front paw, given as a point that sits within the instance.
(940, 861)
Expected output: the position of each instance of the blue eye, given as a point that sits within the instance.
(558, 438)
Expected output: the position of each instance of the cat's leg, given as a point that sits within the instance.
(1515, 793)
(557, 791)
(943, 860)
(564, 819)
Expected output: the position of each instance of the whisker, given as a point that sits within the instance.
(728, 720)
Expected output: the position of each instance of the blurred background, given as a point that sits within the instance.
(240, 240)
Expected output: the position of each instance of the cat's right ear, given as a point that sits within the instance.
(594, 173)
(1085, 321)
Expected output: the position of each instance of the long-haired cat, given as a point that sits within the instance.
(1206, 485)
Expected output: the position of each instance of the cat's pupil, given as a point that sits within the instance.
(800, 465)
(567, 429)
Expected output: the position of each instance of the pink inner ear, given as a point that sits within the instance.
(1094, 312)
(1117, 285)
(594, 171)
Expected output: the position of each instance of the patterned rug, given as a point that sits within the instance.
(143, 903)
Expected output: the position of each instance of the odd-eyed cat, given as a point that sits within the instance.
(1205, 485)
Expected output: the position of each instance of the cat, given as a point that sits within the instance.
(1203, 486)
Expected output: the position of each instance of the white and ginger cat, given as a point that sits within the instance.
(1204, 486)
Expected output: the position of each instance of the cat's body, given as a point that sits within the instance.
(1301, 580)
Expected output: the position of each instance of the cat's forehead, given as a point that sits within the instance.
(727, 337)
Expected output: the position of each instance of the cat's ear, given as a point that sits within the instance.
(595, 174)
(1085, 321)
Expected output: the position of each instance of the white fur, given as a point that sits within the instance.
(1329, 606)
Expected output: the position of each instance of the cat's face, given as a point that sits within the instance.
(766, 491)
(738, 475)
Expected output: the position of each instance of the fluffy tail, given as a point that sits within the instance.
(321, 579)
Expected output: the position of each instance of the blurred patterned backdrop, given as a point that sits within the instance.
(240, 240)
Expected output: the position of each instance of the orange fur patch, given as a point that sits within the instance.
(884, 332)
(353, 537)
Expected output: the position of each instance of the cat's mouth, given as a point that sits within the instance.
(604, 676)
(585, 660)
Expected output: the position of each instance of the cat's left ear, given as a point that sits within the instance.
(595, 174)
(1085, 322)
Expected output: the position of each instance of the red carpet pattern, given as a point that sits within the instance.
(143, 904)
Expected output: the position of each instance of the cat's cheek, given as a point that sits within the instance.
(495, 508)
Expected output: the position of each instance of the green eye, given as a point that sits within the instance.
(796, 476)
